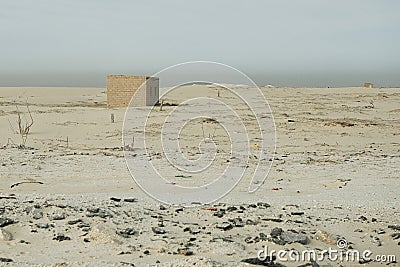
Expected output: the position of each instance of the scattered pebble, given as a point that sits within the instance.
(6, 221)
(130, 200)
(128, 232)
(158, 230)
(61, 237)
(225, 226)
(290, 237)
(185, 251)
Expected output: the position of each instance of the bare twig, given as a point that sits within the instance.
(26, 182)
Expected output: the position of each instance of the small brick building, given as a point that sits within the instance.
(121, 88)
(369, 85)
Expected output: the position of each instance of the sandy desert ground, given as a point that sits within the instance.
(68, 199)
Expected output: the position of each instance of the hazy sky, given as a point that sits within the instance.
(280, 42)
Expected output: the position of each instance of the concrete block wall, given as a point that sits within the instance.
(121, 88)
(152, 91)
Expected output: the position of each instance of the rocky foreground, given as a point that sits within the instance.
(124, 231)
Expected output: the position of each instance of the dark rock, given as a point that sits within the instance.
(395, 236)
(237, 222)
(380, 231)
(130, 200)
(220, 213)
(178, 210)
(250, 222)
(363, 218)
(263, 237)
(126, 233)
(299, 213)
(263, 205)
(37, 214)
(146, 252)
(28, 209)
(72, 222)
(231, 208)
(158, 230)
(277, 220)
(5, 260)
(86, 240)
(57, 217)
(104, 214)
(185, 251)
(249, 240)
(358, 231)
(394, 227)
(42, 225)
(162, 207)
(191, 230)
(6, 221)
(61, 237)
(93, 210)
(225, 226)
(83, 225)
(276, 232)
(127, 263)
(290, 237)
(116, 199)
(376, 241)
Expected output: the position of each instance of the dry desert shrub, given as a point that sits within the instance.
(24, 124)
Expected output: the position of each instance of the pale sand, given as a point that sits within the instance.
(337, 135)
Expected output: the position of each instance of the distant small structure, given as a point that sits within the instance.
(121, 89)
(368, 85)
